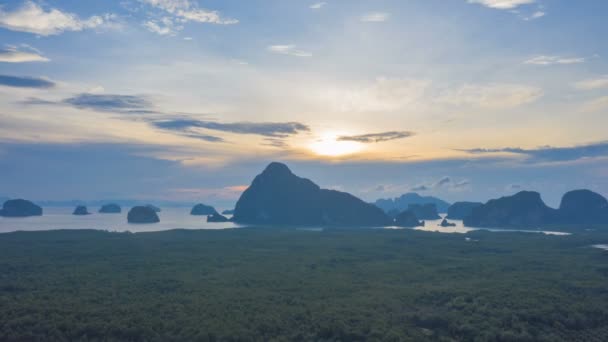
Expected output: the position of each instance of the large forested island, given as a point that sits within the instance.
(276, 284)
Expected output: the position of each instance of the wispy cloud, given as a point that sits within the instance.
(595, 105)
(549, 153)
(376, 137)
(318, 5)
(442, 183)
(592, 83)
(21, 54)
(492, 96)
(25, 82)
(289, 49)
(266, 129)
(110, 103)
(554, 60)
(163, 26)
(177, 12)
(502, 4)
(34, 19)
(375, 17)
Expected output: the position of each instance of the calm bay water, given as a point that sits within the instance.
(170, 218)
(62, 218)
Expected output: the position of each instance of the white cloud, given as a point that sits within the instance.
(21, 54)
(492, 96)
(163, 27)
(289, 49)
(375, 17)
(318, 5)
(591, 84)
(553, 60)
(188, 38)
(536, 15)
(186, 10)
(502, 4)
(34, 19)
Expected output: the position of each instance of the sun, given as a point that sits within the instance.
(330, 146)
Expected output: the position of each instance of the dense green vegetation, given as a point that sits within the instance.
(285, 284)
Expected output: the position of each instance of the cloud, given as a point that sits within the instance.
(551, 154)
(493, 96)
(21, 54)
(34, 19)
(420, 188)
(593, 83)
(289, 49)
(266, 129)
(384, 94)
(318, 5)
(25, 82)
(443, 181)
(376, 137)
(554, 60)
(375, 17)
(502, 4)
(181, 11)
(595, 105)
(164, 26)
(461, 184)
(110, 103)
(535, 15)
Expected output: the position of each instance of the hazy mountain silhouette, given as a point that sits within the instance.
(426, 211)
(408, 219)
(20, 208)
(402, 202)
(523, 209)
(460, 210)
(277, 196)
(526, 208)
(583, 206)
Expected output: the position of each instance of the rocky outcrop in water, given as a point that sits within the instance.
(203, 210)
(20, 208)
(445, 223)
(277, 196)
(110, 209)
(408, 219)
(217, 218)
(142, 214)
(81, 210)
(153, 207)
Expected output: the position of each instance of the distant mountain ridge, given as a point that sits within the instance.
(277, 196)
(402, 202)
(526, 209)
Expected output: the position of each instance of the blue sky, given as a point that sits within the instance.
(188, 100)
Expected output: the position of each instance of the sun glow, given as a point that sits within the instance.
(328, 145)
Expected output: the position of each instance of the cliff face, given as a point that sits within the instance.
(526, 208)
(523, 209)
(277, 196)
(582, 206)
(460, 210)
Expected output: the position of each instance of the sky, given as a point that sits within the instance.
(188, 100)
